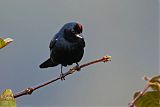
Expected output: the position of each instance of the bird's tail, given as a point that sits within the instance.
(48, 63)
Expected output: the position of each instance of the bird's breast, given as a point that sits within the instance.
(66, 53)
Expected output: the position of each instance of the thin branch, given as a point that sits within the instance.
(141, 93)
(29, 91)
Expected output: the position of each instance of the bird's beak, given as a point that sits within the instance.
(79, 36)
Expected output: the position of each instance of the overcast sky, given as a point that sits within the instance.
(125, 29)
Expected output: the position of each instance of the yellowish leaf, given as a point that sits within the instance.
(155, 83)
(7, 99)
(4, 42)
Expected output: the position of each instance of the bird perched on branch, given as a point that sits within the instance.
(66, 47)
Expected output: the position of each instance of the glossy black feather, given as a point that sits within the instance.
(65, 47)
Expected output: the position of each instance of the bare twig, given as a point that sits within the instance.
(28, 91)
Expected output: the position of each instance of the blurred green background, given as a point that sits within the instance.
(125, 29)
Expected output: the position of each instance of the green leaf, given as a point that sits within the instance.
(4, 42)
(149, 99)
(7, 99)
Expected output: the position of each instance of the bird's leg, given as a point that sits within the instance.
(77, 67)
(62, 75)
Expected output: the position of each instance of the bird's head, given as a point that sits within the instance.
(72, 31)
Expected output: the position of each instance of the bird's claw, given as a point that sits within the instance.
(77, 67)
(62, 76)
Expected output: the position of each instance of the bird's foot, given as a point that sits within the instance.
(77, 67)
(62, 76)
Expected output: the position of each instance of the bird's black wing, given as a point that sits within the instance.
(49, 62)
(83, 43)
(53, 41)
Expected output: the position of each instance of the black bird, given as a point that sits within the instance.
(66, 47)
